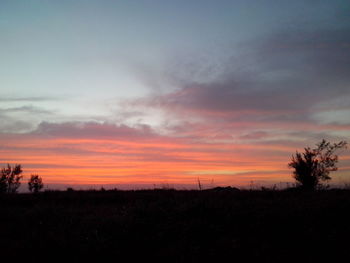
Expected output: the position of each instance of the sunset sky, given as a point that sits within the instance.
(163, 93)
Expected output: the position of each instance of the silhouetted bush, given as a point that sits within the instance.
(314, 165)
(35, 183)
(10, 178)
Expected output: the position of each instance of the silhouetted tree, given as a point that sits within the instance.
(314, 165)
(35, 183)
(3, 183)
(10, 178)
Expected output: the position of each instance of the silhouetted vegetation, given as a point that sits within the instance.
(70, 189)
(179, 226)
(10, 178)
(314, 165)
(35, 183)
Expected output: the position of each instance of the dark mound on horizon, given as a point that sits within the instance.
(179, 226)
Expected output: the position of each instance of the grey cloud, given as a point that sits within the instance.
(284, 75)
(21, 119)
(10, 125)
(257, 135)
(21, 99)
(93, 130)
(320, 56)
(26, 109)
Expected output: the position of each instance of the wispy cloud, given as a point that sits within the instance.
(285, 80)
(26, 109)
(99, 153)
(92, 130)
(27, 99)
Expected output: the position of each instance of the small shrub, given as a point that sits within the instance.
(35, 183)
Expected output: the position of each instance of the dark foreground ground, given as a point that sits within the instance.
(178, 226)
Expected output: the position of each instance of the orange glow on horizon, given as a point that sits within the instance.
(154, 161)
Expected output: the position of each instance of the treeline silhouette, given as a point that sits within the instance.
(11, 176)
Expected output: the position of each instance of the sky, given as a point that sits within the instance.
(165, 93)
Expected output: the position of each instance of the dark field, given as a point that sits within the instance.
(178, 226)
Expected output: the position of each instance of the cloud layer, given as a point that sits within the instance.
(232, 120)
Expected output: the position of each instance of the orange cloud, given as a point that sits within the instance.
(144, 158)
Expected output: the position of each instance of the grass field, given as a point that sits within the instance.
(179, 226)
